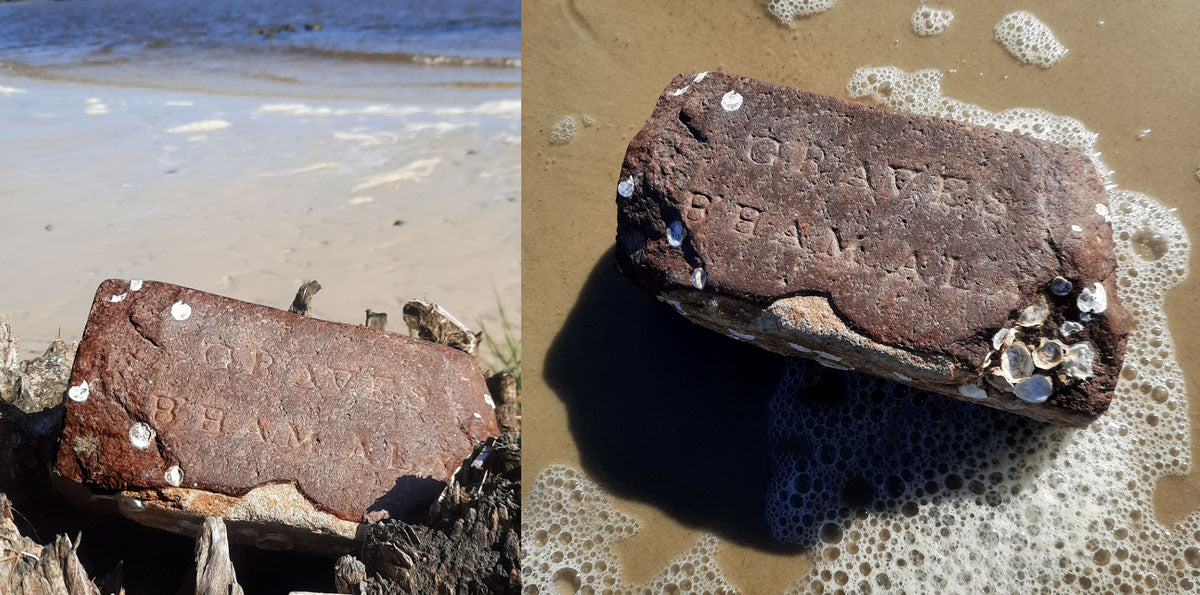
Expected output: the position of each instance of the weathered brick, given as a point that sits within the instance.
(892, 243)
(205, 405)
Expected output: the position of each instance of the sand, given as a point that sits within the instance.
(249, 193)
(674, 402)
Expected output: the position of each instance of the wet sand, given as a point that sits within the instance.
(380, 199)
(665, 429)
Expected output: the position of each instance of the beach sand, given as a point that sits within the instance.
(247, 197)
(675, 431)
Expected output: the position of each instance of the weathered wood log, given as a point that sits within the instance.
(214, 569)
(471, 546)
(433, 323)
(376, 320)
(304, 297)
(27, 568)
(503, 387)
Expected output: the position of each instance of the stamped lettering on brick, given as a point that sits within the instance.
(255, 395)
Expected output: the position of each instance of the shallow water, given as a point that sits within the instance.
(392, 50)
(671, 422)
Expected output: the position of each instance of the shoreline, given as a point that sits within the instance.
(165, 198)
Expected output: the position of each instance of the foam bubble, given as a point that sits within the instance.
(1029, 40)
(563, 131)
(928, 21)
(947, 487)
(569, 529)
(787, 10)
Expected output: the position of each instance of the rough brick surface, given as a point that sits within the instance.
(243, 396)
(919, 237)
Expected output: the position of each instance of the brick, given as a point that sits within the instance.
(205, 405)
(865, 238)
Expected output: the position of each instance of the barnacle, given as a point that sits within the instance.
(1049, 353)
(1035, 314)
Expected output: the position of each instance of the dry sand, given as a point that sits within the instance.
(1129, 68)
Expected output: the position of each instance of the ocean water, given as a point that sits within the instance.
(382, 50)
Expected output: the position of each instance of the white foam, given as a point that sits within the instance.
(7, 91)
(368, 139)
(966, 501)
(1029, 40)
(95, 107)
(563, 131)
(510, 108)
(303, 109)
(178, 103)
(413, 172)
(787, 10)
(569, 529)
(928, 21)
(201, 126)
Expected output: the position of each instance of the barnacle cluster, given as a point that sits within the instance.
(1024, 362)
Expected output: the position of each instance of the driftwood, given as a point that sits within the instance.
(36, 384)
(433, 323)
(214, 569)
(304, 297)
(503, 387)
(27, 568)
(376, 320)
(471, 545)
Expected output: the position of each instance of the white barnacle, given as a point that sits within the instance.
(1060, 286)
(135, 285)
(700, 77)
(118, 298)
(1003, 338)
(675, 234)
(680, 91)
(1016, 362)
(699, 277)
(1035, 389)
(477, 416)
(79, 393)
(996, 378)
(1093, 299)
(1069, 329)
(833, 364)
(181, 311)
(488, 399)
(1077, 362)
(140, 435)
(678, 307)
(1049, 353)
(742, 336)
(1035, 314)
(1076, 229)
(1102, 210)
(174, 475)
(972, 391)
(731, 101)
(799, 348)
(625, 188)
